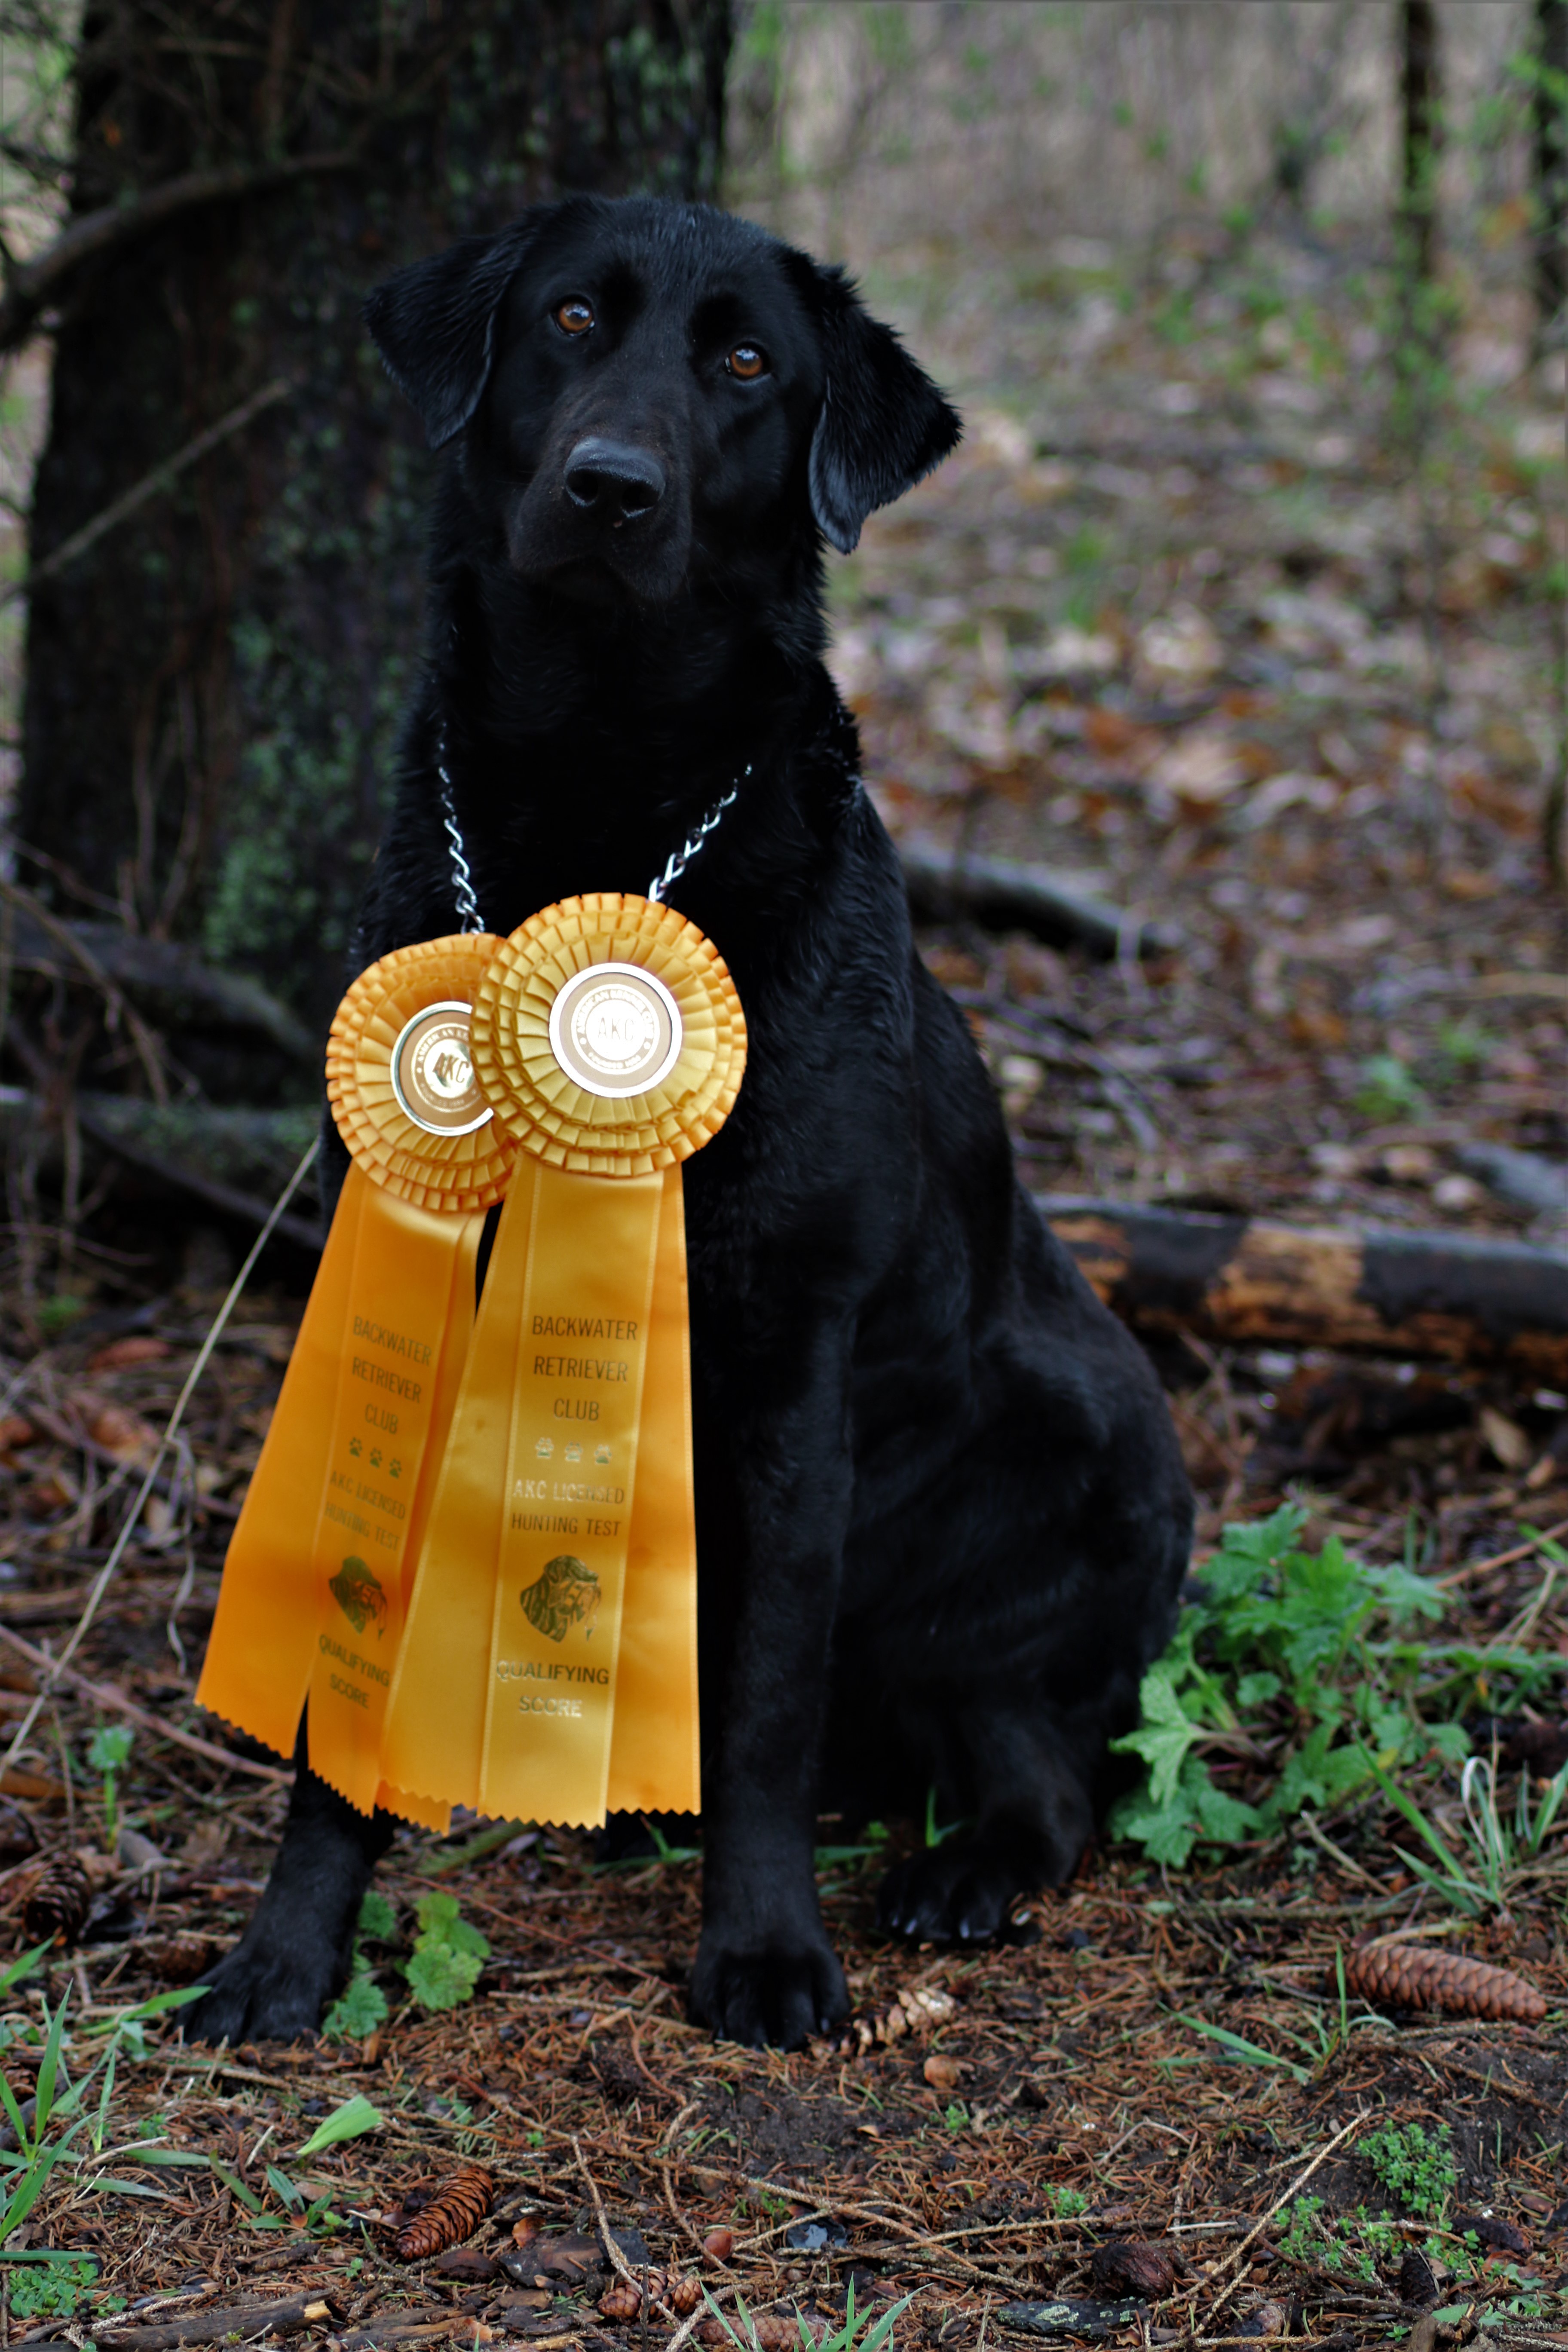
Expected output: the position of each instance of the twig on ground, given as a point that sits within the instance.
(1233, 2259)
(105, 1575)
(1498, 1558)
(115, 1701)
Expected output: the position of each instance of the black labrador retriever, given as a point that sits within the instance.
(942, 1517)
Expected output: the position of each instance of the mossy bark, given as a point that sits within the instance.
(212, 691)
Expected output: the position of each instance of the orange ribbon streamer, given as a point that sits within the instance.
(315, 1584)
(548, 1665)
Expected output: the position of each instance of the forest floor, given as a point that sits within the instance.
(1195, 612)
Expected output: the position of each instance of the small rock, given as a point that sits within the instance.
(1524, 1179)
(1069, 2315)
(1133, 2269)
(815, 2236)
(1265, 2319)
(134, 1852)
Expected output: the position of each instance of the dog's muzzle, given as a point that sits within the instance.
(614, 480)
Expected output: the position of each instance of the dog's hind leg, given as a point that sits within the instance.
(294, 1955)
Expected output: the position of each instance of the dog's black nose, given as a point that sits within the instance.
(613, 480)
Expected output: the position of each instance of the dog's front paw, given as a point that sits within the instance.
(775, 1997)
(266, 1989)
(957, 1893)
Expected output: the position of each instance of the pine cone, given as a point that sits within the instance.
(916, 2011)
(622, 2299)
(58, 1905)
(1408, 1976)
(453, 2214)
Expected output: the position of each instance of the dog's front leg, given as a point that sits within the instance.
(294, 1955)
(765, 1971)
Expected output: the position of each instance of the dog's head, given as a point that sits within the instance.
(649, 394)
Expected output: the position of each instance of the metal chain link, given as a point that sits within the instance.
(462, 876)
(677, 863)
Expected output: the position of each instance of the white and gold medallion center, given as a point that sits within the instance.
(617, 1030)
(433, 1071)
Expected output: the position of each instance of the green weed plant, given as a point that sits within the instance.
(441, 1970)
(1414, 2166)
(1276, 1666)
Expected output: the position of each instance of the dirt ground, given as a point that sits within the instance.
(1195, 617)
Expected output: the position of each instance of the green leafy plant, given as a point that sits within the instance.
(44, 2285)
(1301, 2241)
(107, 1752)
(1414, 2166)
(1389, 1089)
(1064, 2202)
(360, 2007)
(1273, 1667)
(447, 1955)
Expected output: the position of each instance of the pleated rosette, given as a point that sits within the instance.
(433, 1144)
(320, 1566)
(547, 1099)
(548, 1670)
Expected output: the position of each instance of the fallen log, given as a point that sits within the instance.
(170, 980)
(1057, 908)
(1254, 1280)
(237, 1161)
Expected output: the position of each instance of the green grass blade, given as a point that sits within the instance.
(49, 2069)
(1240, 2047)
(233, 2183)
(347, 2122)
(23, 1966)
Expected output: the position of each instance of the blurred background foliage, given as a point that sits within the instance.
(1295, 270)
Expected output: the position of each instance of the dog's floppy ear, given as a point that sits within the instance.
(883, 425)
(433, 325)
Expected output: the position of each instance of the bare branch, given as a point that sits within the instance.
(148, 487)
(119, 1009)
(111, 225)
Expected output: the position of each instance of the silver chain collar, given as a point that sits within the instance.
(675, 865)
(462, 877)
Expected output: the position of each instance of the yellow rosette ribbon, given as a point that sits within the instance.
(315, 1586)
(548, 1669)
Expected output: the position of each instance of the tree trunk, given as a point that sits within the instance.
(1421, 91)
(213, 688)
(1552, 174)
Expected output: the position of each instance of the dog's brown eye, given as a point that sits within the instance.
(574, 317)
(746, 361)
